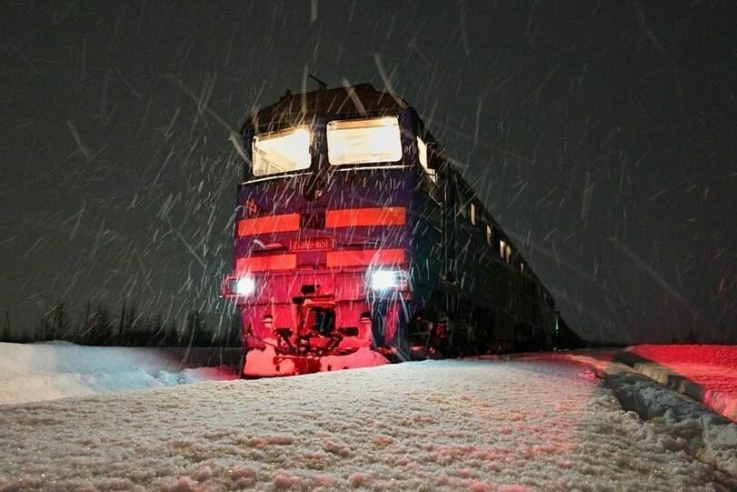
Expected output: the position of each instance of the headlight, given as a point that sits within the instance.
(245, 286)
(388, 279)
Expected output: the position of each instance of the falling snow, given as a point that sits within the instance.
(599, 135)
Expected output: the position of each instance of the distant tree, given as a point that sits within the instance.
(101, 327)
(171, 334)
(195, 329)
(134, 323)
(121, 323)
(227, 333)
(692, 337)
(45, 330)
(5, 337)
(137, 334)
(233, 331)
(155, 330)
(51, 317)
(84, 322)
(23, 336)
(59, 322)
(86, 331)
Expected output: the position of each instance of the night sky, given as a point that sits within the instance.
(601, 135)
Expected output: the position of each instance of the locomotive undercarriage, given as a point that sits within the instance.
(451, 326)
(316, 333)
(387, 329)
(332, 325)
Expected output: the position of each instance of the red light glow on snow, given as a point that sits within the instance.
(716, 378)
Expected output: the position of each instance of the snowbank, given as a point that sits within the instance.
(706, 373)
(682, 424)
(46, 371)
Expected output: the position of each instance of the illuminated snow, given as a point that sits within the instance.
(537, 422)
(682, 368)
(261, 362)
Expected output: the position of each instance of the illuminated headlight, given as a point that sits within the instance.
(245, 286)
(387, 279)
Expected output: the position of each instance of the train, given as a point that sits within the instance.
(357, 241)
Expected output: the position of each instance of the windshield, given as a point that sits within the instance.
(282, 151)
(364, 141)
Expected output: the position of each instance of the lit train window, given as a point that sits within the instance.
(422, 151)
(364, 141)
(502, 248)
(473, 213)
(489, 235)
(282, 151)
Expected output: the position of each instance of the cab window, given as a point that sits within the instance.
(281, 152)
(364, 141)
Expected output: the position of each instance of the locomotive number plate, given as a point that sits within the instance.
(311, 244)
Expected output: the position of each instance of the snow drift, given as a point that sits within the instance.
(46, 371)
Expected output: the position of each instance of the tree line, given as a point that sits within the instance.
(97, 324)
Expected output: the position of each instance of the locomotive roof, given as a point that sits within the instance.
(349, 100)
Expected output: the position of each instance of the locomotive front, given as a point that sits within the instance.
(323, 231)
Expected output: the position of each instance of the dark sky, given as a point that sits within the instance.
(600, 134)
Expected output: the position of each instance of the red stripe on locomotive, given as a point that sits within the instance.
(268, 225)
(363, 217)
(345, 259)
(265, 263)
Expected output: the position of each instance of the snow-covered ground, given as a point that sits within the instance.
(544, 421)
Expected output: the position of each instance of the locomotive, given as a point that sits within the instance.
(358, 242)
